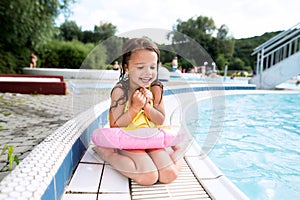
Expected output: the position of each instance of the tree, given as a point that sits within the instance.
(225, 47)
(237, 64)
(200, 29)
(113, 47)
(222, 32)
(28, 22)
(221, 61)
(25, 26)
(104, 31)
(244, 47)
(87, 37)
(70, 31)
(216, 41)
(99, 34)
(96, 58)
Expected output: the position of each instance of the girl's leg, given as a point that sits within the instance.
(177, 156)
(136, 164)
(168, 169)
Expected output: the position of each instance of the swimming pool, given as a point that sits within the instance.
(258, 148)
(191, 77)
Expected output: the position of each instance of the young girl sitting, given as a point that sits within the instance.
(137, 101)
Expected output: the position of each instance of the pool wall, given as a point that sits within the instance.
(45, 172)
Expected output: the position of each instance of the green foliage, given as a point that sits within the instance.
(244, 47)
(26, 25)
(113, 47)
(222, 48)
(8, 63)
(11, 62)
(28, 22)
(11, 158)
(72, 54)
(104, 31)
(69, 31)
(236, 64)
(166, 56)
(96, 59)
(221, 61)
(202, 30)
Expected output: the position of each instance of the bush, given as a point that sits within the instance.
(66, 54)
(7, 63)
(11, 63)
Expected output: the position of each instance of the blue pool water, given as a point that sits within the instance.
(259, 146)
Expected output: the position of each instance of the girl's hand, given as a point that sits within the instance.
(147, 93)
(138, 100)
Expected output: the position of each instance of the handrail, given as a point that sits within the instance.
(281, 46)
(275, 38)
(277, 46)
(282, 40)
(276, 50)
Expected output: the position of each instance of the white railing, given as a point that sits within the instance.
(277, 49)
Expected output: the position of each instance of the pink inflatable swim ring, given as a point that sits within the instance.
(139, 138)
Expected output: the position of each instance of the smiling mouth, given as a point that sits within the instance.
(145, 80)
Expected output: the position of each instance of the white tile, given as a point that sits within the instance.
(79, 197)
(222, 188)
(91, 156)
(114, 196)
(86, 178)
(113, 181)
(203, 167)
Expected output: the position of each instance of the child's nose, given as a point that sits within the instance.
(147, 70)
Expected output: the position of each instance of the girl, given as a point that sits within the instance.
(133, 105)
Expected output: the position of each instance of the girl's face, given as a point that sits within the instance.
(142, 68)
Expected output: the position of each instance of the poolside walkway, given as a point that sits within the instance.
(26, 120)
(92, 180)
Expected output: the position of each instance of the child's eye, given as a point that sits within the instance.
(140, 67)
(153, 67)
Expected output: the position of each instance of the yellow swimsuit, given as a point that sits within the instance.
(140, 120)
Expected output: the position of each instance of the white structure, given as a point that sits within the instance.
(278, 59)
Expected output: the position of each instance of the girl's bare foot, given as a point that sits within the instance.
(104, 153)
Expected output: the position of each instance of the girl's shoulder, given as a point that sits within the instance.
(118, 87)
(119, 90)
(157, 83)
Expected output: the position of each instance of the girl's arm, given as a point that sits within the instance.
(156, 113)
(119, 118)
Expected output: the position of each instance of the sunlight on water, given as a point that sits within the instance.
(259, 147)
